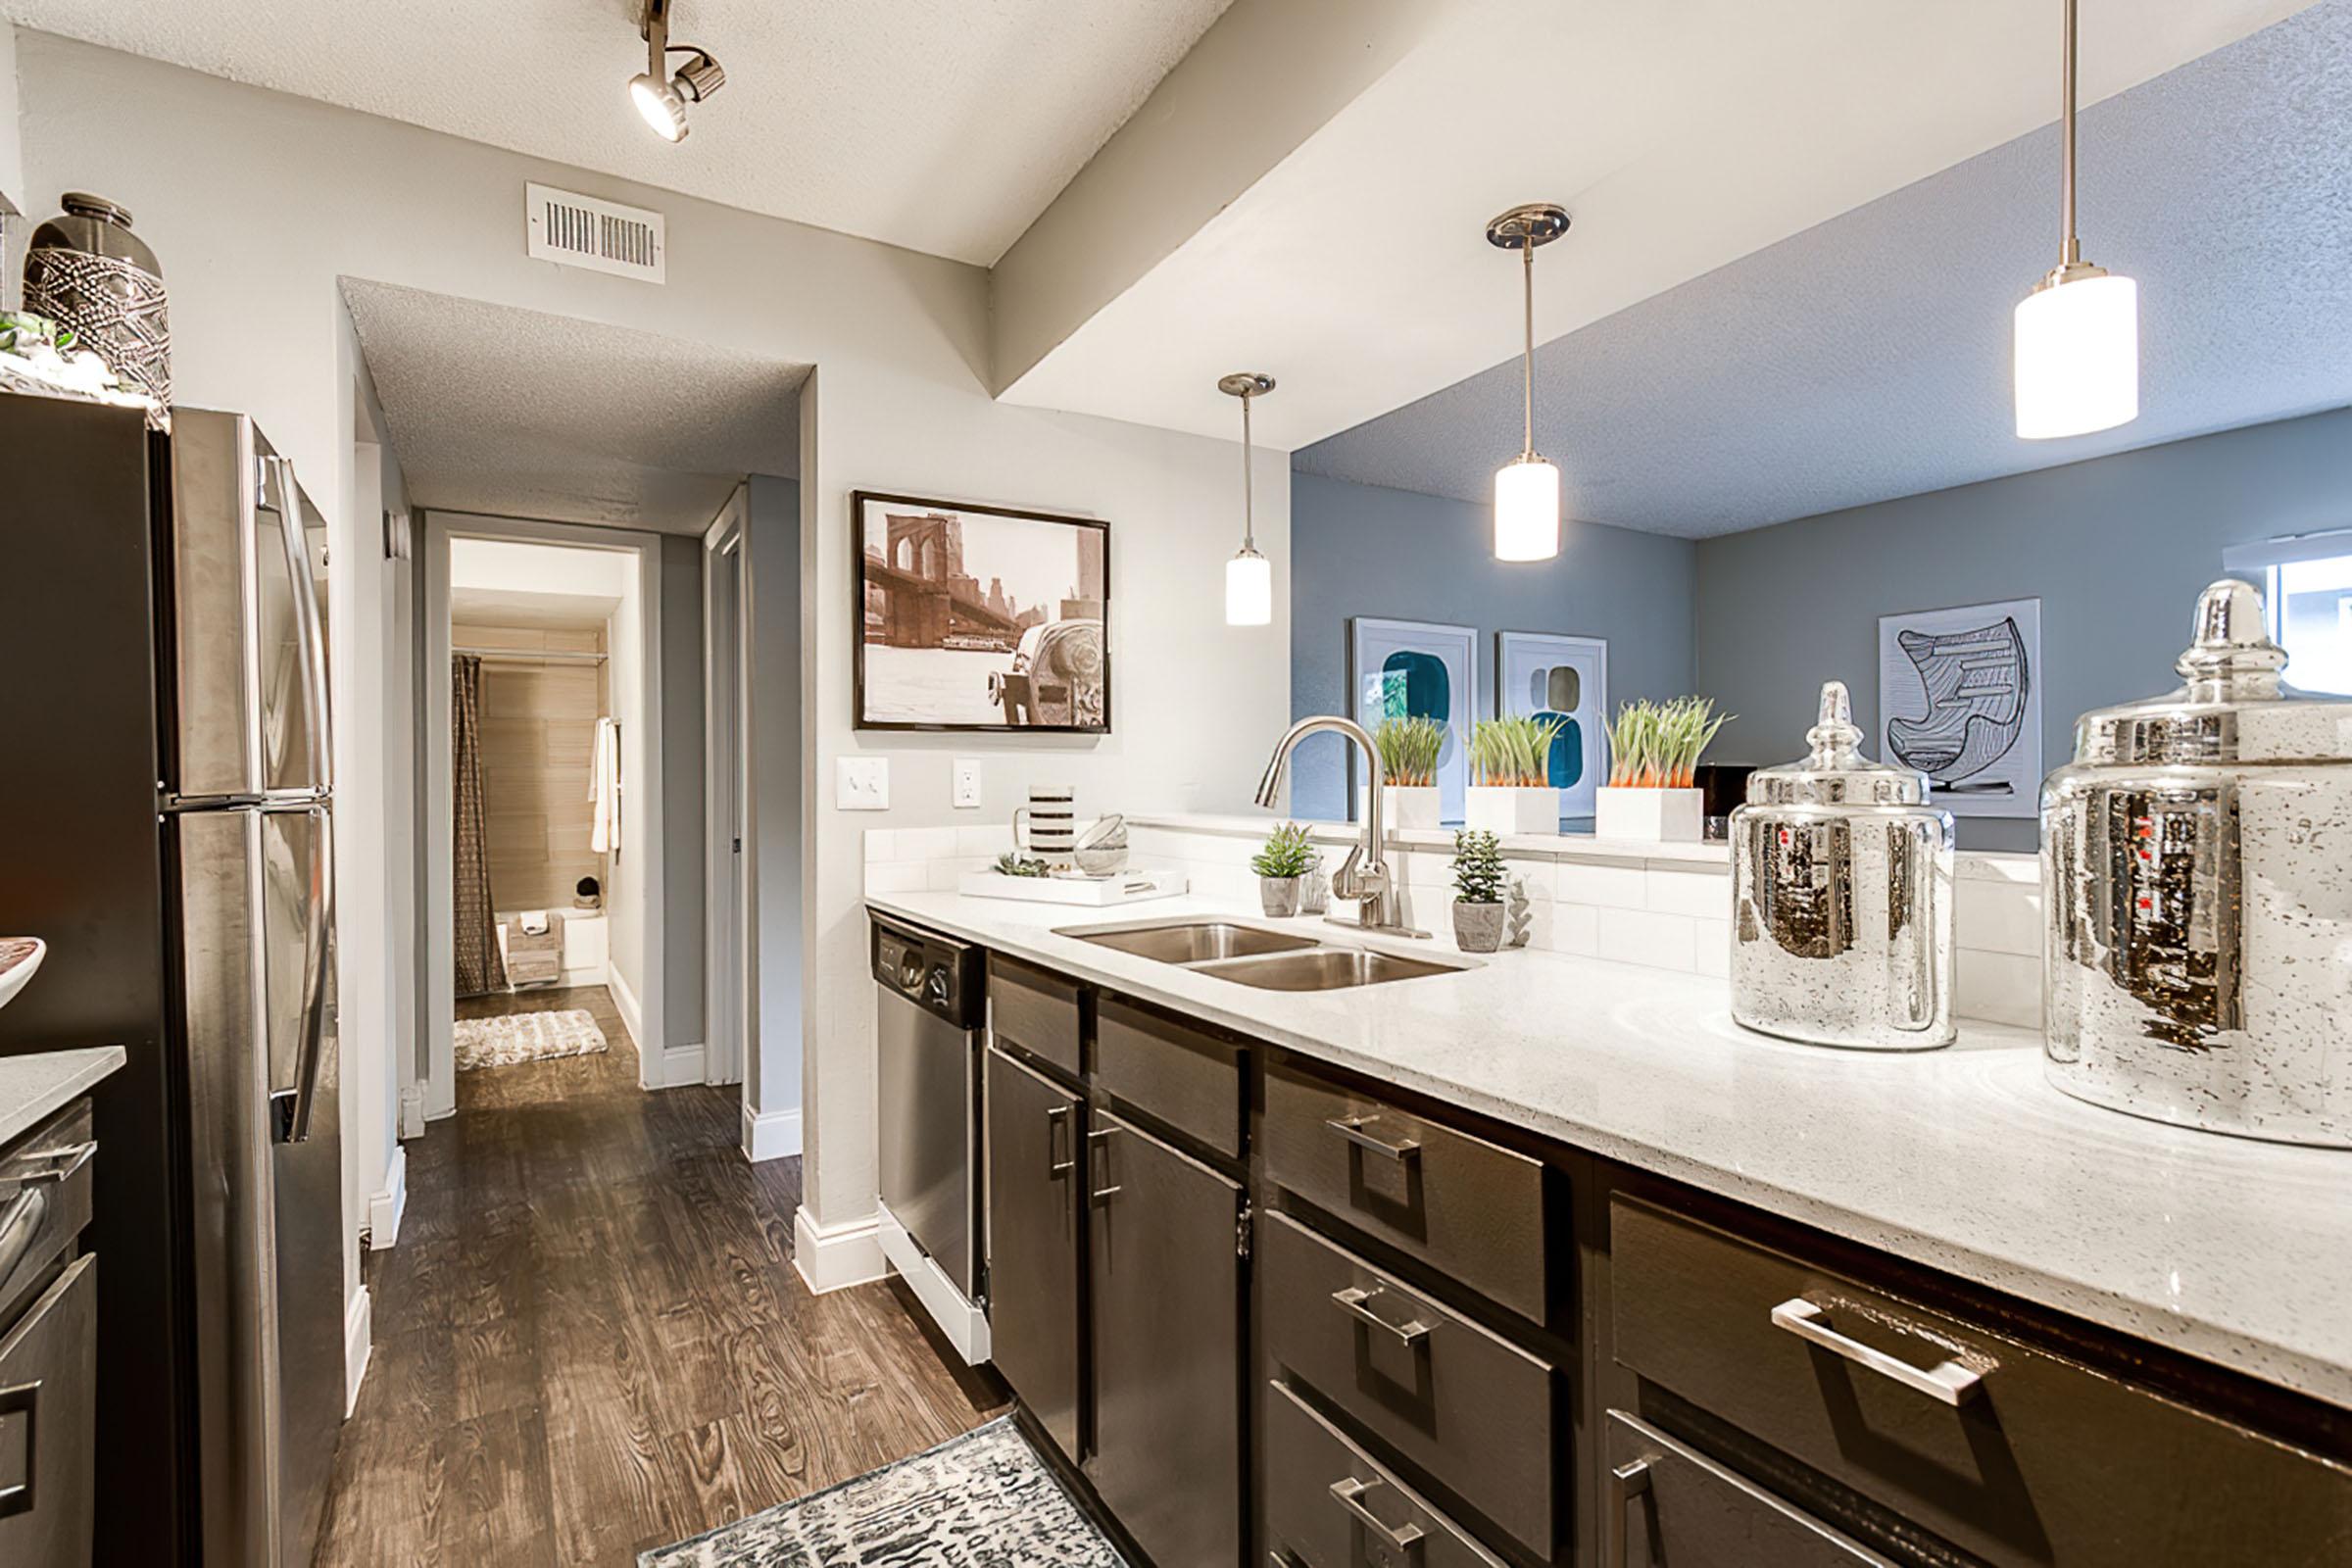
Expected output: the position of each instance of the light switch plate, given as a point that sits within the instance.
(968, 782)
(863, 784)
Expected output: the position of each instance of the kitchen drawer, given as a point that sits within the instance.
(1034, 1010)
(1475, 1412)
(1328, 1506)
(2008, 1451)
(45, 1179)
(1184, 1077)
(1468, 1208)
(48, 1425)
(1671, 1507)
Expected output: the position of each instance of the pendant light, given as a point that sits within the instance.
(1527, 489)
(1249, 575)
(2078, 334)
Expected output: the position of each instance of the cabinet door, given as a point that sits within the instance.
(1166, 1268)
(1669, 1506)
(1033, 1186)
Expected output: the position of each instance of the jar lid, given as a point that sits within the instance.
(81, 204)
(2233, 708)
(1837, 774)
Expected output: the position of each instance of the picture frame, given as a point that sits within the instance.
(979, 619)
(1960, 701)
(1419, 667)
(1535, 673)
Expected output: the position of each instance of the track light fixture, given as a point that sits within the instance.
(659, 95)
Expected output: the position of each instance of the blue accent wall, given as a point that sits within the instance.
(1363, 550)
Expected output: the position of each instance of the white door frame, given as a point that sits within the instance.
(439, 820)
(728, 1025)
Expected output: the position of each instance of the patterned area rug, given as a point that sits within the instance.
(526, 1037)
(983, 1501)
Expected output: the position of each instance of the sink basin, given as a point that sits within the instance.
(1323, 969)
(1190, 941)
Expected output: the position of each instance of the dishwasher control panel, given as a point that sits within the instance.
(937, 973)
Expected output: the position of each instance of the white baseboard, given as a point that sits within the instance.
(964, 1325)
(385, 1209)
(595, 974)
(681, 1065)
(770, 1134)
(844, 1256)
(358, 1330)
(624, 1002)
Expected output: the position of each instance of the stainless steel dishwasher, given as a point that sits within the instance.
(929, 1006)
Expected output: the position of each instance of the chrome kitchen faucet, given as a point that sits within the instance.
(1364, 875)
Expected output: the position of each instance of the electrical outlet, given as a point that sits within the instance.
(862, 784)
(968, 782)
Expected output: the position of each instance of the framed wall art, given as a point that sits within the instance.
(1408, 668)
(1549, 675)
(1960, 701)
(981, 618)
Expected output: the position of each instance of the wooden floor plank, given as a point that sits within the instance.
(590, 1339)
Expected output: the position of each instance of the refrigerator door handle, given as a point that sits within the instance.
(305, 621)
(296, 1127)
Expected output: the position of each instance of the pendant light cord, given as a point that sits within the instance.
(2069, 248)
(1249, 499)
(1527, 270)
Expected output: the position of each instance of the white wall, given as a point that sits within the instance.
(625, 892)
(513, 567)
(899, 345)
(12, 172)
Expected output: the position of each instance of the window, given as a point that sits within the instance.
(2311, 617)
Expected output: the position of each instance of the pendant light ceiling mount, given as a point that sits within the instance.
(1527, 489)
(1249, 575)
(1528, 227)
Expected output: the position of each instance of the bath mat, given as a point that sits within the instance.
(526, 1037)
(983, 1501)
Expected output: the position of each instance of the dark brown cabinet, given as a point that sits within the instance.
(1033, 1198)
(1165, 1274)
(1669, 1506)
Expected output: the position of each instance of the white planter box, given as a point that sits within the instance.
(1402, 806)
(1508, 810)
(1661, 816)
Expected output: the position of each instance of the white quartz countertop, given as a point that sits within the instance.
(32, 1087)
(1963, 1160)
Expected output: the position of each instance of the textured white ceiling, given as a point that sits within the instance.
(1868, 357)
(521, 414)
(941, 127)
(1681, 136)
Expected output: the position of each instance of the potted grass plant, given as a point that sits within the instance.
(1409, 748)
(1652, 792)
(1283, 864)
(1510, 763)
(1481, 909)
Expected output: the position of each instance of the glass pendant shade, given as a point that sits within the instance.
(1249, 589)
(2078, 358)
(1527, 510)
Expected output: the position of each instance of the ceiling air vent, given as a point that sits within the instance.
(603, 236)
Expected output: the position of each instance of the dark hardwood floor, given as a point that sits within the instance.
(590, 1339)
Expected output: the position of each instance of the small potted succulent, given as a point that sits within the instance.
(1481, 905)
(1652, 792)
(1409, 748)
(1282, 865)
(1510, 761)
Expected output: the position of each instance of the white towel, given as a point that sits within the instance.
(604, 789)
(532, 921)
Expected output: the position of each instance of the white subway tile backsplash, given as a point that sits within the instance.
(923, 843)
(1998, 916)
(1618, 885)
(2003, 987)
(1714, 945)
(895, 876)
(991, 841)
(880, 845)
(1646, 937)
(1700, 891)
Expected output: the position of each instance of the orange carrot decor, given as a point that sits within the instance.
(1655, 746)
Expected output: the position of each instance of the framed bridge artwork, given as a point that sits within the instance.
(983, 619)
(1960, 701)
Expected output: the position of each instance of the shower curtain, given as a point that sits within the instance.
(479, 968)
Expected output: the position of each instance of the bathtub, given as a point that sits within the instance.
(584, 943)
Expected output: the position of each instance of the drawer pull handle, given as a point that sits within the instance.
(1100, 1140)
(1950, 1381)
(1626, 1483)
(1357, 1302)
(1057, 1120)
(1349, 1495)
(64, 1163)
(1352, 1128)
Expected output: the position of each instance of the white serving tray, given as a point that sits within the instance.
(1091, 892)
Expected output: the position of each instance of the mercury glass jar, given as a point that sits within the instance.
(2197, 876)
(1841, 899)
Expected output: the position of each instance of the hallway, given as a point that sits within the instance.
(590, 1339)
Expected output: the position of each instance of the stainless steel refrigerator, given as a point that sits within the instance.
(169, 826)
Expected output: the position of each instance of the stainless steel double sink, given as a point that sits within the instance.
(1271, 960)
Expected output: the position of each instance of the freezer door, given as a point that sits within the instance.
(258, 975)
(249, 619)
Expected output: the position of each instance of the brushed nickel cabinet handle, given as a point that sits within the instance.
(1100, 1140)
(1057, 1120)
(1352, 1128)
(64, 1163)
(1349, 1495)
(1357, 1302)
(1950, 1381)
(1626, 1483)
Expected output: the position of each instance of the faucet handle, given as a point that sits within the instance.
(1346, 881)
